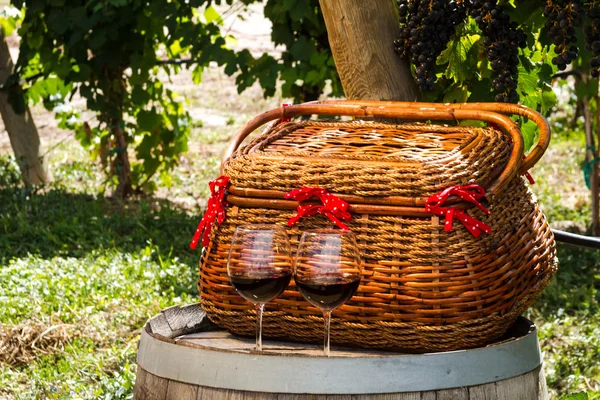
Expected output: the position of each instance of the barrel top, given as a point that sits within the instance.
(225, 341)
(199, 355)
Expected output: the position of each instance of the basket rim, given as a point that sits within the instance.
(392, 205)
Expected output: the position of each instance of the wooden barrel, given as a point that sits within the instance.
(183, 356)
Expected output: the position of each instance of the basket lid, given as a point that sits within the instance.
(369, 159)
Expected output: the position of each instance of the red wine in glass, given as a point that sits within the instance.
(327, 271)
(259, 266)
(328, 292)
(260, 286)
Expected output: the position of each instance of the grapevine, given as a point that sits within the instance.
(592, 38)
(112, 52)
(563, 16)
(427, 28)
(502, 43)
(428, 25)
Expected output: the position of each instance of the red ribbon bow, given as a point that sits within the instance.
(214, 209)
(471, 193)
(333, 207)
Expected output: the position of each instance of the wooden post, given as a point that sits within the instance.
(21, 129)
(361, 35)
(590, 155)
(595, 189)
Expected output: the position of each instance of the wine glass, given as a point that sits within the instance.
(259, 266)
(327, 271)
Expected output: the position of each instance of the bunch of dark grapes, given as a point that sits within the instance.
(592, 39)
(563, 16)
(427, 26)
(502, 41)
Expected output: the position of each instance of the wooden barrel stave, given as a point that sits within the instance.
(524, 387)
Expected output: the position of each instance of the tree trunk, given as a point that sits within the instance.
(21, 129)
(361, 35)
(124, 188)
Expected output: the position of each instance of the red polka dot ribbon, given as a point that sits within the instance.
(214, 209)
(471, 193)
(528, 176)
(333, 207)
(285, 119)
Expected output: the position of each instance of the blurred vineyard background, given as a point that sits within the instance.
(81, 271)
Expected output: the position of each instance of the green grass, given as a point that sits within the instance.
(87, 272)
(568, 312)
(568, 318)
(102, 299)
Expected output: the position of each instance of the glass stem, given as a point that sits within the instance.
(259, 314)
(327, 317)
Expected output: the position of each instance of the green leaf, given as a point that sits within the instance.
(456, 94)
(78, 16)
(301, 49)
(480, 90)
(542, 100)
(548, 100)
(318, 59)
(197, 73)
(58, 21)
(537, 56)
(230, 41)
(8, 25)
(527, 13)
(139, 96)
(313, 77)
(211, 15)
(63, 68)
(83, 72)
(97, 39)
(288, 5)
(456, 56)
(530, 132)
(534, 89)
(148, 120)
(528, 81)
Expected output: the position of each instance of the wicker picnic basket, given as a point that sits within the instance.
(439, 273)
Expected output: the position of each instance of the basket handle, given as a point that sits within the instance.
(401, 110)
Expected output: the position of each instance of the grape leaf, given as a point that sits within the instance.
(535, 92)
(211, 15)
(148, 120)
(529, 130)
(528, 80)
(456, 56)
(457, 94)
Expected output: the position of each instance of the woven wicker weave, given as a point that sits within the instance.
(422, 288)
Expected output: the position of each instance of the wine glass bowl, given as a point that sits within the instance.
(259, 266)
(327, 271)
